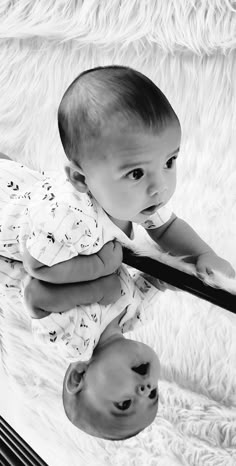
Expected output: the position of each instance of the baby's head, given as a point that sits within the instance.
(121, 137)
(113, 396)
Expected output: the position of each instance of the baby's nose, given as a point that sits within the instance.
(145, 389)
(157, 189)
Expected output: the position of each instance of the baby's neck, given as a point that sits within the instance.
(124, 225)
(113, 330)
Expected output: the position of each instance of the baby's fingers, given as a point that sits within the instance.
(204, 270)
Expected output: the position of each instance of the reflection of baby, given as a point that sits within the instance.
(121, 137)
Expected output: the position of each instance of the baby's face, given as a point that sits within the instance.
(121, 382)
(138, 173)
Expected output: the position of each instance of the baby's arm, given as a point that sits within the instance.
(103, 263)
(178, 238)
(42, 298)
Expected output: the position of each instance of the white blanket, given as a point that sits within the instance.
(44, 46)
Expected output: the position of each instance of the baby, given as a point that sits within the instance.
(122, 138)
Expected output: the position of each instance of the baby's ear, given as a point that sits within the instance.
(76, 176)
(74, 378)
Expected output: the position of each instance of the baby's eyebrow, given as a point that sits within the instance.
(133, 164)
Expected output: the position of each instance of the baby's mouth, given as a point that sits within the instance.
(142, 369)
(151, 210)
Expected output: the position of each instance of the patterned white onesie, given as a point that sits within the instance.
(54, 222)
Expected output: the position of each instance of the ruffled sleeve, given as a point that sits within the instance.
(58, 232)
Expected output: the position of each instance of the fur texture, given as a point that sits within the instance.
(188, 49)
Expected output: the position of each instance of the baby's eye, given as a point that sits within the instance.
(170, 162)
(123, 405)
(136, 174)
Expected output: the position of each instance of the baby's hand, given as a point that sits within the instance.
(111, 256)
(209, 261)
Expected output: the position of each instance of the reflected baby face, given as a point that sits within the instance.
(134, 172)
(121, 382)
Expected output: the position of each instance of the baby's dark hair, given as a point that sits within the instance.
(105, 96)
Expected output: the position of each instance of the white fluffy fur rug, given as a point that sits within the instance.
(188, 49)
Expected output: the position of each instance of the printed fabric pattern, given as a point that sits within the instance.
(46, 216)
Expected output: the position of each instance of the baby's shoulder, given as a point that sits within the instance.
(58, 205)
(58, 190)
(19, 173)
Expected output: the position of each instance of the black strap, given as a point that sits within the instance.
(180, 279)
